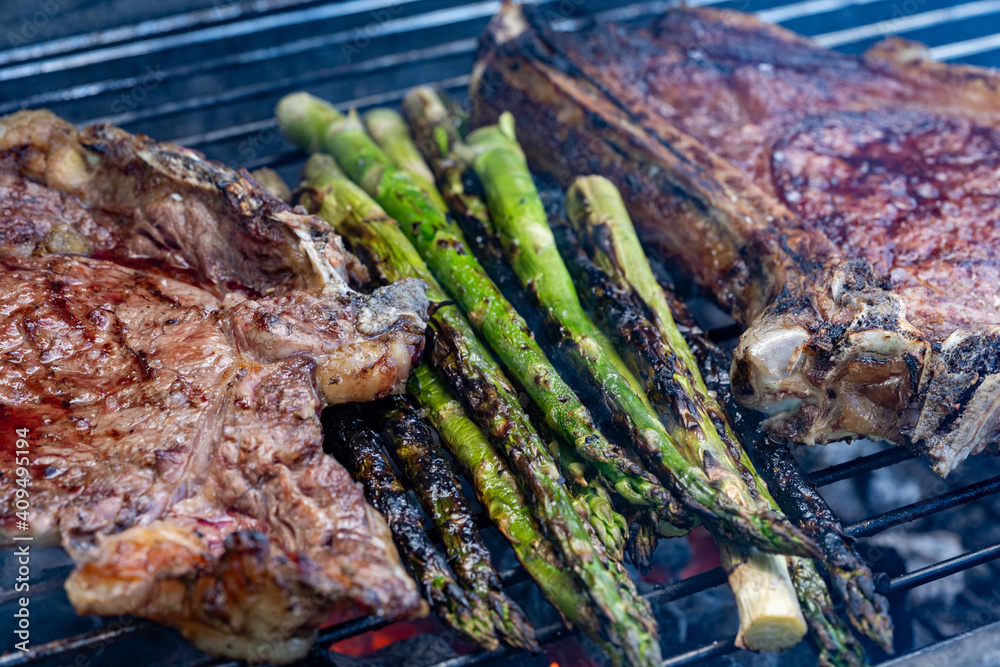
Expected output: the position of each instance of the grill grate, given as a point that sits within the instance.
(207, 75)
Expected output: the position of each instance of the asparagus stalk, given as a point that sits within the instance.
(430, 476)
(521, 223)
(356, 445)
(616, 247)
(602, 216)
(472, 372)
(445, 250)
(830, 637)
(437, 131)
(609, 584)
(770, 617)
(390, 132)
(847, 572)
(497, 491)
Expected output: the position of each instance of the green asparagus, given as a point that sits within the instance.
(600, 216)
(356, 445)
(498, 493)
(437, 131)
(458, 355)
(441, 244)
(521, 223)
(430, 476)
(390, 132)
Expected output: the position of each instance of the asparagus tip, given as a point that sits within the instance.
(511, 623)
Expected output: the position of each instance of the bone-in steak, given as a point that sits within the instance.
(846, 209)
(169, 333)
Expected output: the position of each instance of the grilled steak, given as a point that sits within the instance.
(845, 209)
(168, 335)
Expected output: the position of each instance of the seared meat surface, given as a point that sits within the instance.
(845, 209)
(169, 333)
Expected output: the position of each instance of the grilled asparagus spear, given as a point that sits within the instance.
(844, 567)
(356, 444)
(522, 226)
(834, 644)
(616, 247)
(390, 132)
(768, 606)
(437, 131)
(601, 216)
(497, 491)
(430, 476)
(442, 246)
(624, 617)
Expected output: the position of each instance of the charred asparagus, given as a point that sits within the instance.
(430, 476)
(769, 609)
(589, 492)
(458, 355)
(521, 223)
(601, 217)
(390, 132)
(443, 247)
(356, 445)
(497, 491)
(436, 128)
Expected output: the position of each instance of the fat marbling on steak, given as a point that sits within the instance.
(169, 333)
(845, 209)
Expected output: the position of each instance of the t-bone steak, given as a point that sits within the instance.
(169, 333)
(845, 209)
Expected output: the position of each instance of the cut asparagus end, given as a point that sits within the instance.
(304, 119)
(327, 191)
(770, 616)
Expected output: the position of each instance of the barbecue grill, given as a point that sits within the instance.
(207, 74)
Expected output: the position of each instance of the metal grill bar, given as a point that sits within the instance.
(868, 463)
(82, 642)
(184, 21)
(460, 47)
(213, 34)
(944, 569)
(196, 140)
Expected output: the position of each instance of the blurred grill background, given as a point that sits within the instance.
(208, 74)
